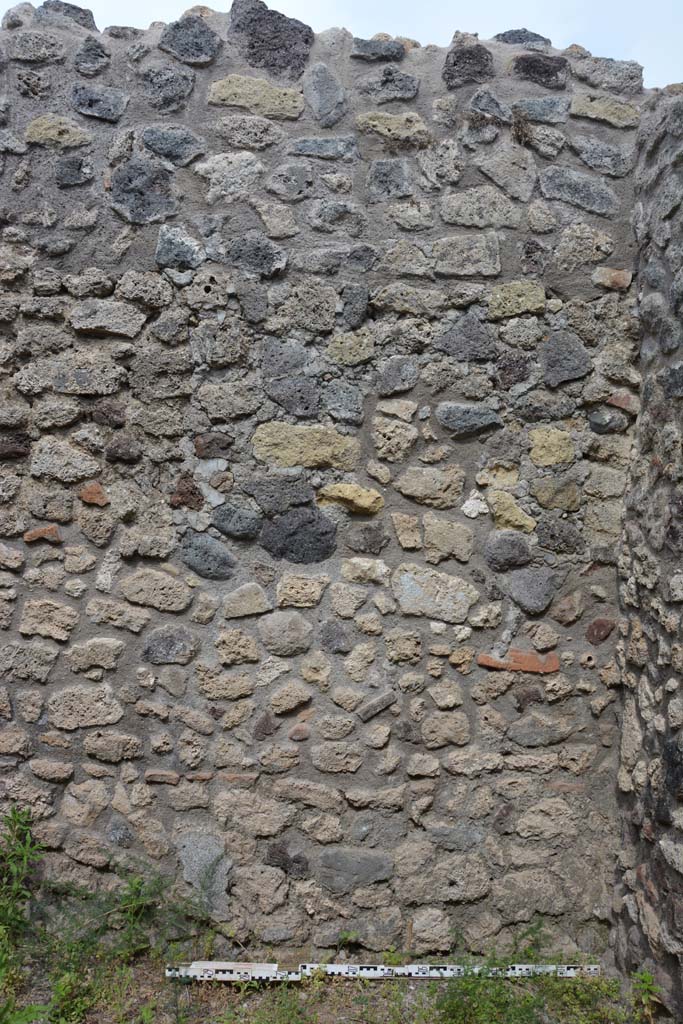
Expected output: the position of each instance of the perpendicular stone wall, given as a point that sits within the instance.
(318, 389)
(650, 902)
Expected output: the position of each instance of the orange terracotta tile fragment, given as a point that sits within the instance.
(521, 661)
(93, 494)
(50, 534)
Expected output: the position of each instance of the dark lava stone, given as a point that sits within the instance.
(467, 64)
(550, 72)
(270, 40)
(73, 170)
(559, 536)
(302, 535)
(520, 37)
(506, 549)
(92, 58)
(141, 191)
(80, 15)
(366, 538)
(207, 556)
(191, 40)
(298, 396)
(240, 523)
(167, 88)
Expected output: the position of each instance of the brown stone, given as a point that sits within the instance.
(599, 630)
(186, 494)
(93, 494)
(49, 534)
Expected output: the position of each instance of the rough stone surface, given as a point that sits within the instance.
(339, 538)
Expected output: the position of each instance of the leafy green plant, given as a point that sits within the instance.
(644, 997)
(19, 852)
(72, 996)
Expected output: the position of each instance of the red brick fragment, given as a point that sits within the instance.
(93, 494)
(521, 661)
(625, 400)
(50, 534)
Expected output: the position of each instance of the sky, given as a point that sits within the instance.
(649, 31)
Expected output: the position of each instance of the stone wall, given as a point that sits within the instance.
(318, 389)
(651, 653)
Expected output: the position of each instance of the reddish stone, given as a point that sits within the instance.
(50, 534)
(238, 778)
(198, 776)
(521, 661)
(213, 445)
(599, 630)
(299, 732)
(625, 400)
(93, 494)
(186, 494)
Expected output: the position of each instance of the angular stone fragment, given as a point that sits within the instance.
(475, 255)
(334, 147)
(154, 589)
(257, 815)
(58, 460)
(141, 191)
(324, 94)
(82, 707)
(579, 189)
(521, 37)
(92, 58)
(421, 591)
(249, 599)
(444, 538)
(173, 142)
(170, 645)
(114, 613)
(609, 277)
(191, 40)
(602, 156)
(532, 589)
(100, 652)
(336, 758)
(445, 728)
(268, 39)
(466, 420)
(301, 535)
(392, 84)
(230, 175)
(49, 619)
(289, 697)
(516, 298)
(541, 68)
(512, 168)
(480, 207)
(467, 64)
(377, 50)
(622, 76)
(404, 129)
(360, 500)
(103, 104)
(506, 549)
(104, 316)
(439, 488)
(564, 358)
(167, 88)
(612, 111)
(507, 513)
(469, 340)
(342, 869)
(207, 556)
(177, 249)
(35, 48)
(389, 178)
(57, 132)
(258, 96)
(282, 444)
(285, 633)
(543, 109)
